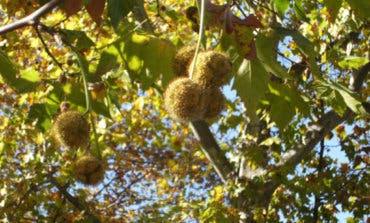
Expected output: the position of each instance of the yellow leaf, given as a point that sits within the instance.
(40, 138)
(218, 193)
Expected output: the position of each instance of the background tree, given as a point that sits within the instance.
(300, 74)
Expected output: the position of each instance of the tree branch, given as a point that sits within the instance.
(47, 50)
(30, 19)
(328, 122)
(314, 135)
(76, 202)
(211, 149)
(360, 77)
(200, 128)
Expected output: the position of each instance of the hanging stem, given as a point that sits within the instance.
(201, 32)
(84, 73)
(96, 141)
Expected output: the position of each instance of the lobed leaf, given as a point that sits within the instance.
(21, 81)
(266, 53)
(281, 5)
(285, 103)
(349, 97)
(250, 84)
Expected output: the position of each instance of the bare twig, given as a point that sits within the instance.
(30, 19)
(47, 48)
(319, 171)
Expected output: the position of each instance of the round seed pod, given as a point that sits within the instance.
(88, 170)
(213, 103)
(182, 60)
(212, 69)
(182, 100)
(71, 129)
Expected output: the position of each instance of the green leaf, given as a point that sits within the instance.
(285, 103)
(352, 62)
(26, 81)
(107, 62)
(282, 112)
(29, 80)
(41, 113)
(74, 93)
(270, 141)
(333, 7)
(361, 8)
(78, 38)
(281, 5)
(118, 9)
(158, 59)
(349, 97)
(250, 84)
(304, 45)
(265, 45)
(148, 58)
(299, 11)
(234, 50)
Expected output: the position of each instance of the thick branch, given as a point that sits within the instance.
(30, 19)
(360, 77)
(76, 202)
(316, 133)
(213, 152)
(200, 128)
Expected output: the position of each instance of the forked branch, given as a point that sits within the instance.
(74, 201)
(31, 19)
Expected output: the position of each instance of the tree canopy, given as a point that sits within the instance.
(290, 145)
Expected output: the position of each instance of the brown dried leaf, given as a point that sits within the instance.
(72, 6)
(95, 9)
(253, 21)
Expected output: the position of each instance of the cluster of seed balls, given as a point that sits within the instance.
(200, 97)
(72, 130)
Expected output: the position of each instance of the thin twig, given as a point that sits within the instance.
(240, 9)
(319, 171)
(47, 48)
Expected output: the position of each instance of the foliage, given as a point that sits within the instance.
(299, 94)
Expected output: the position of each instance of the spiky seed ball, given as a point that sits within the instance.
(183, 58)
(88, 170)
(72, 129)
(212, 69)
(213, 103)
(182, 100)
